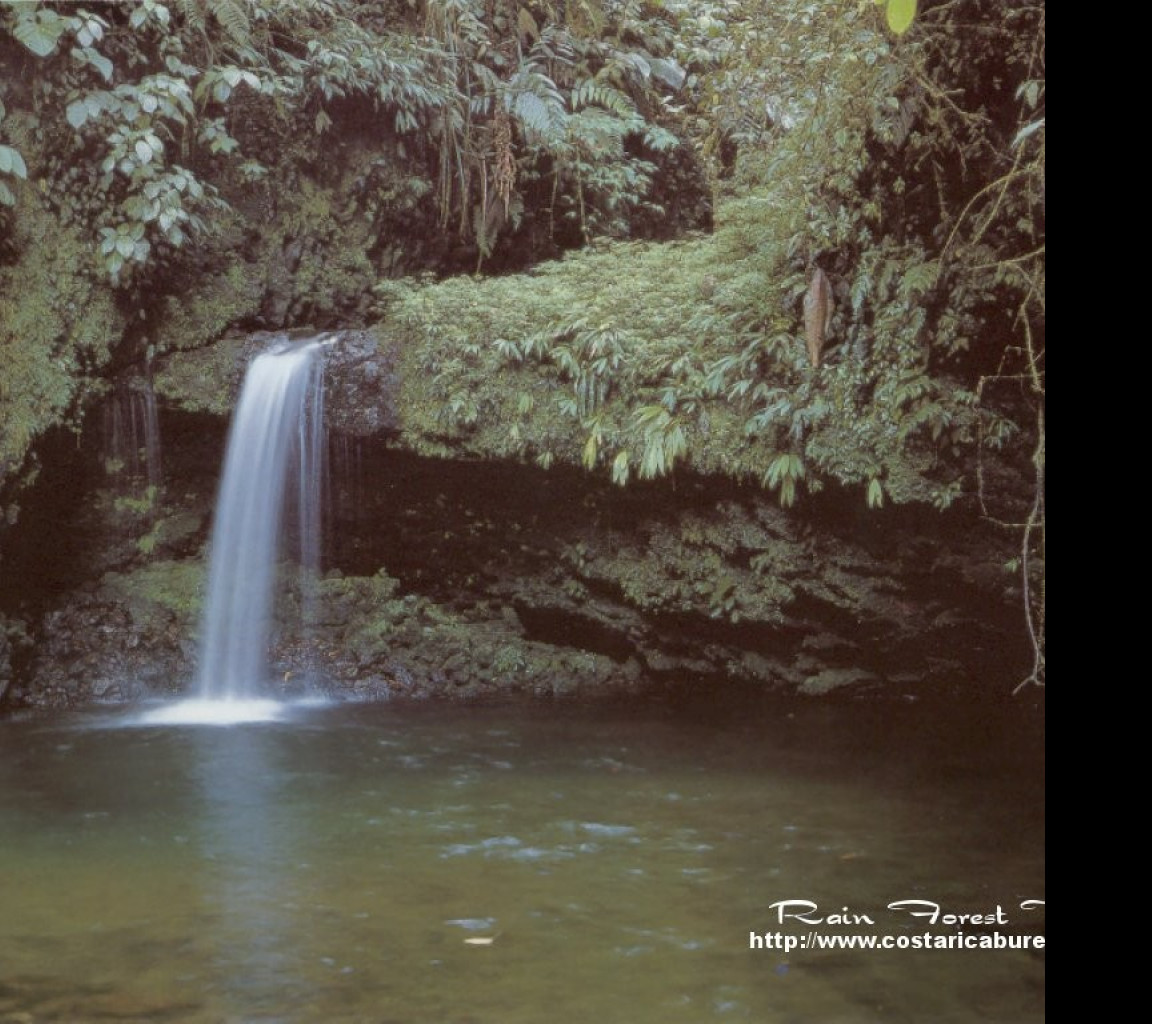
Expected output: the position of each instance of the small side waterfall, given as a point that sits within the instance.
(132, 433)
(277, 433)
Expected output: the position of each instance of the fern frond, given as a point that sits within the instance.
(192, 12)
(601, 94)
(533, 99)
(233, 18)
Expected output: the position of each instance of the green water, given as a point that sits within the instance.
(330, 867)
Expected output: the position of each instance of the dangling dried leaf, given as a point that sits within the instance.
(505, 174)
(817, 314)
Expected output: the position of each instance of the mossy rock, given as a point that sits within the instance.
(169, 589)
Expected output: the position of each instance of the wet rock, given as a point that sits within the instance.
(473, 580)
(361, 385)
(360, 375)
(831, 679)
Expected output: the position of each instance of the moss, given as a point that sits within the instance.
(159, 590)
(729, 564)
(58, 325)
(202, 380)
(206, 308)
(370, 632)
(494, 368)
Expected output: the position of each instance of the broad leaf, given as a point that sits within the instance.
(901, 14)
(11, 162)
(77, 113)
(39, 32)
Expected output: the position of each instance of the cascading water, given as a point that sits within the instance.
(273, 478)
(132, 433)
(278, 427)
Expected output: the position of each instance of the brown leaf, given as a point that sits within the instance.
(817, 314)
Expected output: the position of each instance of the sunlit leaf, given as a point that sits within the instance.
(76, 113)
(39, 31)
(901, 14)
(11, 162)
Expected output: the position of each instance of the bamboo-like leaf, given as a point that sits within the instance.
(875, 493)
(621, 467)
(591, 450)
(1028, 129)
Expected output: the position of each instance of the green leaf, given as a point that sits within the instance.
(100, 63)
(591, 450)
(875, 493)
(39, 31)
(98, 102)
(1028, 129)
(11, 162)
(621, 468)
(77, 113)
(788, 493)
(901, 14)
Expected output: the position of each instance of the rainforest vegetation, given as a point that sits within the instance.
(797, 245)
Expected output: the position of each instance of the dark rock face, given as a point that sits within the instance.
(360, 377)
(469, 580)
(699, 577)
(97, 650)
(9, 634)
(361, 387)
(481, 577)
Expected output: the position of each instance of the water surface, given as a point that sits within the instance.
(511, 865)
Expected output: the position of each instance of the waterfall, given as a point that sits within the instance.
(277, 432)
(132, 433)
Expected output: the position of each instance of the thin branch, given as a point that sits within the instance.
(1035, 521)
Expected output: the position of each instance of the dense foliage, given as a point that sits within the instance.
(245, 142)
(906, 175)
(869, 312)
(147, 112)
